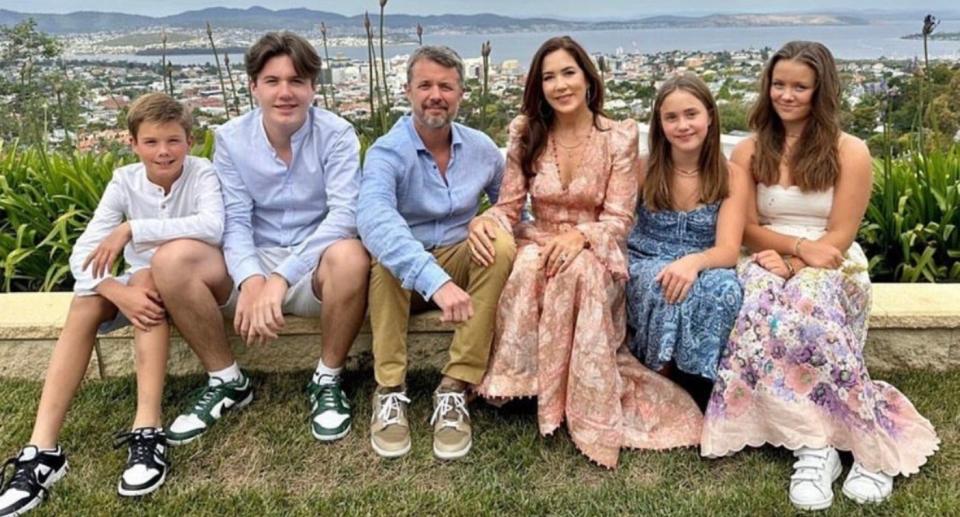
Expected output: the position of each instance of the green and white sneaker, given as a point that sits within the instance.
(329, 409)
(212, 402)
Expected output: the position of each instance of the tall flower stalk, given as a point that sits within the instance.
(930, 23)
(216, 59)
(485, 55)
(233, 86)
(163, 61)
(374, 79)
(326, 57)
(383, 59)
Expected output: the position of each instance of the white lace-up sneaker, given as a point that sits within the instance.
(813, 474)
(864, 486)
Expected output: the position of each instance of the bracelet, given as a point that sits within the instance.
(790, 269)
(796, 246)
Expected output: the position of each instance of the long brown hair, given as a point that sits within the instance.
(538, 112)
(817, 167)
(714, 181)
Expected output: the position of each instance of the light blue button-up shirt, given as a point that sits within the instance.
(407, 208)
(306, 207)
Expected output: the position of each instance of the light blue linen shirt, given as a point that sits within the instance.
(305, 207)
(407, 208)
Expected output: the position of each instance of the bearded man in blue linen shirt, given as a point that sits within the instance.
(421, 187)
(290, 175)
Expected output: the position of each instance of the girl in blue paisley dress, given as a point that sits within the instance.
(793, 373)
(683, 295)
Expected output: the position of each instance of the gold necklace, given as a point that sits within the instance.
(687, 173)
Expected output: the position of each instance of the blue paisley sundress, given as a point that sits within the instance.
(693, 332)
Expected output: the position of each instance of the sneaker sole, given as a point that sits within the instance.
(821, 505)
(142, 491)
(56, 476)
(383, 453)
(239, 405)
(330, 437)
(864, 500)
(452, 455)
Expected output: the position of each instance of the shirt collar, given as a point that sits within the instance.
(297, 135)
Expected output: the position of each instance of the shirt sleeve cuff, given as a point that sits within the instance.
(430, 279)
(136, 231)
(245, 269)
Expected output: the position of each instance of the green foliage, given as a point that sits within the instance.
(910, 231)
(39, 96)
(46, 200)
(925, 108)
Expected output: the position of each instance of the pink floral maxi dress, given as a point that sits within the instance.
(793, 373)
(561, 339)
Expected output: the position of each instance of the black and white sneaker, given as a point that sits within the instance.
(147, 461)
(34, 472)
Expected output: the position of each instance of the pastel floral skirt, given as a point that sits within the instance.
(793, 374)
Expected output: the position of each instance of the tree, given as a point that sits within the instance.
(36, 92)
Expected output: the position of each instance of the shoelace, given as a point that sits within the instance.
(143, 445)
(390, 407)
(24, 475)
(810, 465)
(447, 402)
(325, 394)
(206, 395)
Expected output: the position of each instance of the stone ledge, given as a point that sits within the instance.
(912, 326)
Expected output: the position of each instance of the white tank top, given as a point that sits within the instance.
(791, 211)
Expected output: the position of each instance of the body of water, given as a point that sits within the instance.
(846, 42)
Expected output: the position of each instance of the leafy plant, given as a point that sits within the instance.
(910, 230)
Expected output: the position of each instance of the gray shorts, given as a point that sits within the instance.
(300, 299)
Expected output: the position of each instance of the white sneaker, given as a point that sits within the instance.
(813, 474)
(864, 486)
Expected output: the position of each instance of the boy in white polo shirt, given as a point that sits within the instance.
(166, 196)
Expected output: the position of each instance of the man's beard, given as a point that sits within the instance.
(438, 121)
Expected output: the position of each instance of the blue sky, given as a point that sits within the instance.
(553, 8)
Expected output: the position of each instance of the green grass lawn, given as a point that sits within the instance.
(263, 461)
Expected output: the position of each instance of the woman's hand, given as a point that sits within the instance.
(772, 262)
(677, 278)
(819, 254)
(482, 232)
(560, 251)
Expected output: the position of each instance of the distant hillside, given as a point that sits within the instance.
(260, 18)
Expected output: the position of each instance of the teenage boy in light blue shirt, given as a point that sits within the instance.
(290, 176)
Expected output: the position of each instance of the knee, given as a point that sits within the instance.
(346, 261)
(505, 249)
(174, 256)
(93, 309)
(143, 278)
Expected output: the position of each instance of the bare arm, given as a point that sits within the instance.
(731, 220)
(851, 194)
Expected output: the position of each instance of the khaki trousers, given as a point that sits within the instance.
(391, 305)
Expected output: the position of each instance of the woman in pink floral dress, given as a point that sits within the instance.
(561, 321)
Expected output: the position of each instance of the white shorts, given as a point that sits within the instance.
(300, 299)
